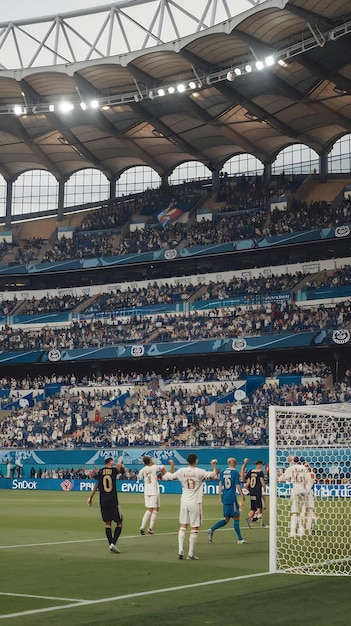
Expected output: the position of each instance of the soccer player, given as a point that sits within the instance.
(229, 483)
(302, 500)
(110, 510)
(191, 479)
(255, 484)
(150, 474)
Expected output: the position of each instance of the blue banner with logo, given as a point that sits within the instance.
(338, 337)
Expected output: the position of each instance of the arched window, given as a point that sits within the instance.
(296, 159)
(339, 159)
(243, 164)
(137, 179)
(85, 186)
(186, 172)
(35, 191)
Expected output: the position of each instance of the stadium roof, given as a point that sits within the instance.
(305, 98)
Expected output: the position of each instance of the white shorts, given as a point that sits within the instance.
(152, 502)
(191, 514)
(297, 502)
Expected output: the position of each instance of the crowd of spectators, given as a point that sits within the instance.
(219, 323)
(112, 216)
(304, 216)
(189, 375)
(238, 286)
(28, 250)
(80, 246)
(153, 294)
(50, 304)
(224, 228)
(159, 294)
(242, 192)
(184, 415)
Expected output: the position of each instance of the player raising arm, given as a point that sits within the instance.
(191, 479)
(150, 474)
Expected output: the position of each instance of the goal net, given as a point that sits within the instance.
(310, 489)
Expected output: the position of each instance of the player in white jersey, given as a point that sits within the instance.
(150, 474)
(191, 479)
(302, 500)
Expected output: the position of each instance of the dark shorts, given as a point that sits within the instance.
(111, 514)
(231, 510)
(256, 503)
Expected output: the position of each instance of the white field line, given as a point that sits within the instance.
(29, 595)
(131, 596)
(59, 543)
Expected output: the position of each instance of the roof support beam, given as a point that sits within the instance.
(76, 145)
(106, 125)
(168, 134)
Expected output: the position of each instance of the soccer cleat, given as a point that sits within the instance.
(114, 549)
(142, 531)
(210, 535)
(150, 532)
(192, 558)
(240, 541)
(248, 521)
(180, 556)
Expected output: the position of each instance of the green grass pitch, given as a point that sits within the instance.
(54, 554)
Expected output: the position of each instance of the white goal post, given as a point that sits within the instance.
(310, 489)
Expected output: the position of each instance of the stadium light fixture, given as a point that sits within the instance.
(192, 85)
(181, 88)
(269, 61)
(19, 110)
(237, 71)
(94, 104)
(259, 65)
(161, 92)
(66, 107)
(171, 89)
(230, 76)
(248, 68)
(83, 106)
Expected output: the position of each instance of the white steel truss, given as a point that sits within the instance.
(114, 29)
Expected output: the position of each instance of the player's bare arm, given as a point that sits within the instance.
(90, 499)
(243, 469)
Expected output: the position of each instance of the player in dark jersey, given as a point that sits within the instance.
(110, 511)
(254, 483)
(229, 484)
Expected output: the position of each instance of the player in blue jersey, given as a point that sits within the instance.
(229, 484)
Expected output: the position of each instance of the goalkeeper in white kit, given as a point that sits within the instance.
(302, 499)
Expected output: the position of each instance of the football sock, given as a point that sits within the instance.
(192, 542)
(153, 519)
(145, 519)
(236, 527)
(108, 532)
(181, 537)
(117, 533)
(217, 525)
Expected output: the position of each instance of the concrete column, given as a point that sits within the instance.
(113, 182)
(164, 180)
(323, 167)
(9, 190)
(61, 200)
(267, 173)
(215, 181)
